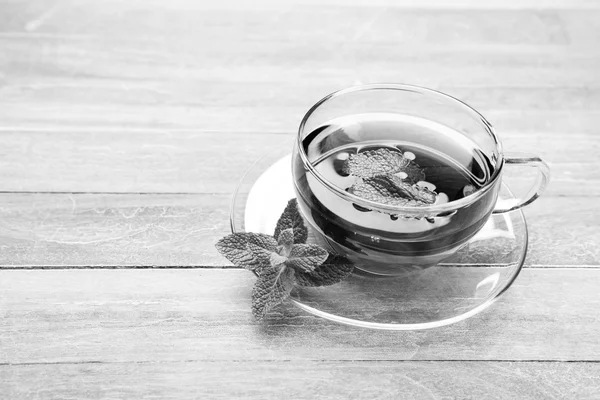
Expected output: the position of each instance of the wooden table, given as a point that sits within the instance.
(126, 125)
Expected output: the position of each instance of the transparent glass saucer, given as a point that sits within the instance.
(460, 287)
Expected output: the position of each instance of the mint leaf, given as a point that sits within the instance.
(306, 257)
(276, 260)
(291, 219)
(370, 163)
(262, 258)
(277, 263)
(286, 238)
(272, 288)
(335, 269)
(248, 250)
(390, 189)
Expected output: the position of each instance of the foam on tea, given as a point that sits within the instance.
(391, 159)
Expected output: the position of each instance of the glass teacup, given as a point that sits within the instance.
(398, 177)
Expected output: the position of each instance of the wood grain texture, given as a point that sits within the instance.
(89, 230)
(129, 230)
(120, 85)
(91, 65)
(198, 315)
(130, 161)
(288, 21)
(160, 161)
(137, 118)
(304, 380)
(423, 4)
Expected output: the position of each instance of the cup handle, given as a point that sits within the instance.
(524, 160)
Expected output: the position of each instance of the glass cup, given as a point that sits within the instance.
(444, 137)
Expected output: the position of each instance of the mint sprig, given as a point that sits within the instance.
(272, 287)
(283, 261)
(291, 219)
(250, 250)
(386, 176)
(390, 189)
(335, 269)
(370, 163)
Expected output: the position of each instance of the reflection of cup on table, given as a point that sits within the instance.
(397, 176)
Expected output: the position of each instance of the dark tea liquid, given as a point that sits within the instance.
(384, 242)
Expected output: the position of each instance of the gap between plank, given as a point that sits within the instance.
(290, 360)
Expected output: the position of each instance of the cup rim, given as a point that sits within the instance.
(411, 210)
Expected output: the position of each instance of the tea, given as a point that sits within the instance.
(362, 155)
